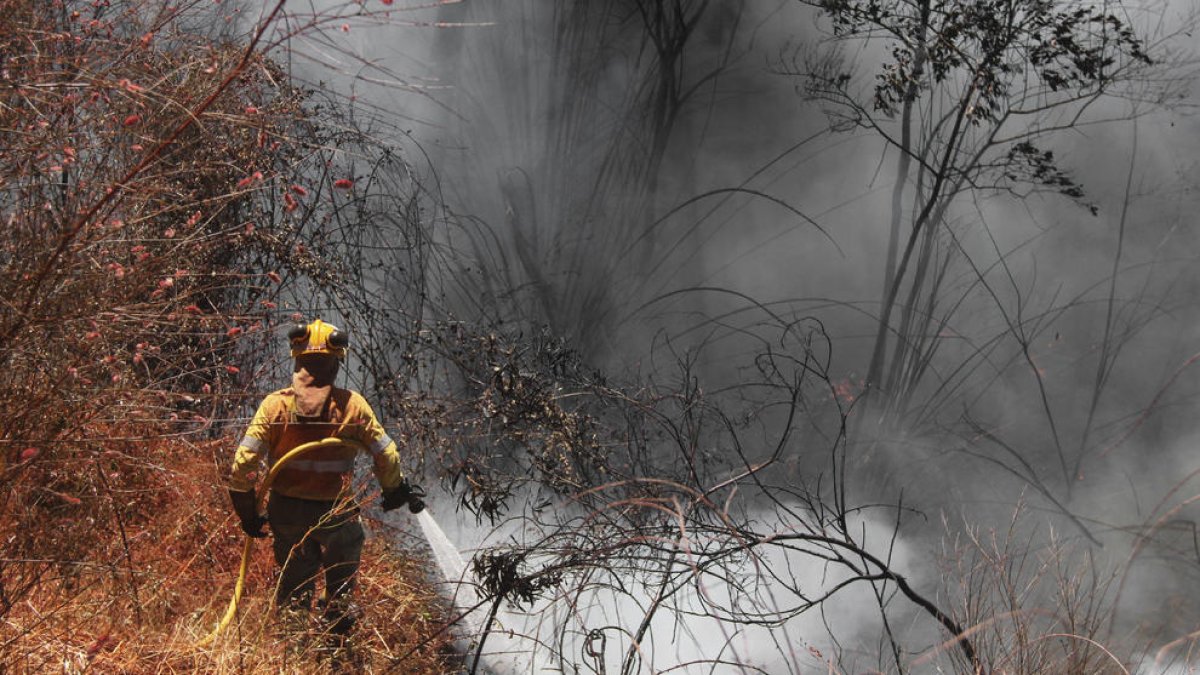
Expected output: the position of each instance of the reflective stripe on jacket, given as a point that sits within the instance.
(323, 473)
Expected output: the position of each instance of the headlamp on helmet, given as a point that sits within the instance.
(318, 337)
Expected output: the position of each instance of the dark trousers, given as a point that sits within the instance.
(308, 537)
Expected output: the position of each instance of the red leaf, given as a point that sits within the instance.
(234, 332)
(232, 370)
(343, 183)
(300, 190)
(99, 645)
(65, 497)
(132, 120)
(28, 454)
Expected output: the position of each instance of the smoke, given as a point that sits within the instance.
(569, 205)
(577, 625)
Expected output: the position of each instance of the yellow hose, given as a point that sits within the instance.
(259, 497)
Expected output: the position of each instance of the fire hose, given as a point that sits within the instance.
(260, 496)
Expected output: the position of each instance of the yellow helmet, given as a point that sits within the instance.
(318, 337)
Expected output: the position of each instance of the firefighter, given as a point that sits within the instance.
(310, 509)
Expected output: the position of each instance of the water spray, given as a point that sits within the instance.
(503, 653)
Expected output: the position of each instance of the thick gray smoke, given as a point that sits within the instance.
(589, 190)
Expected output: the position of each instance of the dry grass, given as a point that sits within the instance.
(137, 603)
(153, 195)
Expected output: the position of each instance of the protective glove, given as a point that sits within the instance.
(404, 493)
(247, 512)
(416, 501)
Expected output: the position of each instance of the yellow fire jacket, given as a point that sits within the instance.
(324, 473)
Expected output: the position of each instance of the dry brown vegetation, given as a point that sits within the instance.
(158, 196)
(169, 199)
(138, 602)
